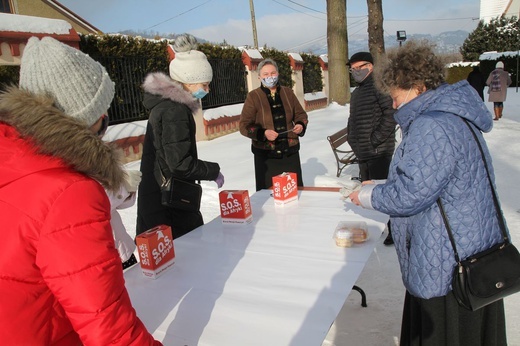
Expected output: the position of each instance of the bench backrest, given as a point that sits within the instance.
(338, 138)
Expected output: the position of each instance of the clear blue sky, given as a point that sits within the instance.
(282, 24)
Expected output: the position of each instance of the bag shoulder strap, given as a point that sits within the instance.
(499, 213)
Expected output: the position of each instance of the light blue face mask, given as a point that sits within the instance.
(270, 82)
(199, 94)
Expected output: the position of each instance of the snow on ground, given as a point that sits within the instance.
(379, 323)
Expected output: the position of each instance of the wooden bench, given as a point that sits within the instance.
(343, 157)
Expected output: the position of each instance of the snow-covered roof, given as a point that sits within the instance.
(296, 56)
(35, 25)
(254, 53)
(325, 58)
(463, 64)
(497, 55)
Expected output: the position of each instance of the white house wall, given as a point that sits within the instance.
(490, 9)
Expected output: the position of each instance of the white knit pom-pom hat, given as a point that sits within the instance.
(189, 66)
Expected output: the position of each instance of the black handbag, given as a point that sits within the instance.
(180, 194)
(489, 275)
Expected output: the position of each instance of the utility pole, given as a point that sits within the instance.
(253, 22)
(518, 47)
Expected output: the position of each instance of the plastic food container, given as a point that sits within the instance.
(348, 233)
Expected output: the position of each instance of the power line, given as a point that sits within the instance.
(294, 2)
(426, 20)
(307, 42)
(350, 26)
(178, 15)
(298, 10)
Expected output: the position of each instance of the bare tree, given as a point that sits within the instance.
(376, 42)
(337, 45)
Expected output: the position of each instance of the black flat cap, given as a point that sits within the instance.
(361, 56)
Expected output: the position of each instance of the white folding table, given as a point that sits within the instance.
(280, 280)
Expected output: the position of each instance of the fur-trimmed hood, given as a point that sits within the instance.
(53, 133)
(160, 84)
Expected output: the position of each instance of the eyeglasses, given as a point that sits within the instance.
(358, 67)
(104, 125)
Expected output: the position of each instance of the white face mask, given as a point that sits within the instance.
(405, 99)
(270, 82)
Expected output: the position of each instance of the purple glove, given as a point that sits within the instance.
(219, 180)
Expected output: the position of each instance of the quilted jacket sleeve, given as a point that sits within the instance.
(78, 261)
(427, 159)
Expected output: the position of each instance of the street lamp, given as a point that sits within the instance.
(401, 37)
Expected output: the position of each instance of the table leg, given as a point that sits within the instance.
(363, 295)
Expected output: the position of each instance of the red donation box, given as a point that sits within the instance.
(285, 188)
(156, 252)
(235, 207)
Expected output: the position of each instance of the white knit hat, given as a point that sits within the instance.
(189, 66)
(80, 85)
(499, 64)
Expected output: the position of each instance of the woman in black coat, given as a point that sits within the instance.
(169, 147)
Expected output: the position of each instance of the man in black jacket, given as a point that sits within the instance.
(371, 125)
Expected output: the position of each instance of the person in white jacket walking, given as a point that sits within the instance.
(123, 199)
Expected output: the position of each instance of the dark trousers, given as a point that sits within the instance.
(376, 168)
(267, 167)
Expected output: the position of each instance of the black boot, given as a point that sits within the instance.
(389, 240)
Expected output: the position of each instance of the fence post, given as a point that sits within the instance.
(297, 76)
(324, 63)
(251, 58)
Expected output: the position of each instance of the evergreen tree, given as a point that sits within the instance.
(311, 74)
(500, 34)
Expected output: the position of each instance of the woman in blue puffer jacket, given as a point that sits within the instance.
(437, 158)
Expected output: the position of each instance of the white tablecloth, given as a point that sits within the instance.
(280, 280)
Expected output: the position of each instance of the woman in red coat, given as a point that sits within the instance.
(61, 281)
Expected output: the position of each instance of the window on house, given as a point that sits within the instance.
(5, 6)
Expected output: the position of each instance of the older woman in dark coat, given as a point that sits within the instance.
(273, 119)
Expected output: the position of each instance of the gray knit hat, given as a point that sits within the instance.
(81, 86)
(189, 66)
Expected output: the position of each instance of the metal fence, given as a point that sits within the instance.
(128, 74)
(229, 86)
